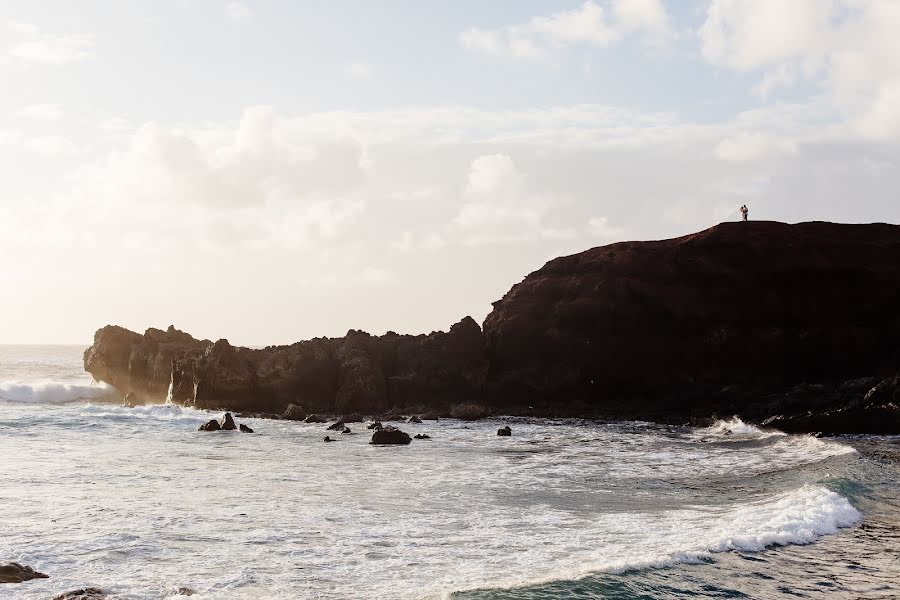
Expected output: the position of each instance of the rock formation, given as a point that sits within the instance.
(17, 573)
(763, 320)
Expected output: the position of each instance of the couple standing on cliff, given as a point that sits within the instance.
(744, 212)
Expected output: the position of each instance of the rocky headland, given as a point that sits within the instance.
(796, 326)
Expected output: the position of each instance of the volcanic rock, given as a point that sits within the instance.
(228, 423)
(422, 436)
(90, 593)
(245, 429)
(211, 425)
(345, 430)
(336, 426)
(390, 435)
(414, 419)
(293, 413)
(18, 573)
(315, 419)
(504, 431)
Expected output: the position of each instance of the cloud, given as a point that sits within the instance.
(42, 112)
(603, 232)
(52, 146)
(32, 46)
(237, 11)
(754, 146)
(590, 24)
(847, 48)
(360, 70)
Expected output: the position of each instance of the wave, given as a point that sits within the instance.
(54, 392)
(798, 517)
(735, 426)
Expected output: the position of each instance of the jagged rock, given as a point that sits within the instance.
(211, 425)
(414, 419)
(18, 573)
(390, 435)
(504, 431)
(90, 593)
(245, 429)
(336, 426)
(315, 419)
(422, 436)
(327, 439)
(469, 412)
(130, 400)
(375, 425)
(228, 423)
(345, 430)
(293, 413)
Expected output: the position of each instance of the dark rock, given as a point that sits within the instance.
(228, 423)
(293, 413)
(351, 418)
(18, 573)
(375, 425)
(245, 429)
(327, 439)
(422, 436)
(336, 426)
(90, 593)
(469, 412)
(504, 431)
(211, 425)
(414, 419)
(315, 419)
(430, 416)
(345, 430)
(393, 416)
(185, 591)
(390, 435)
(130, 400)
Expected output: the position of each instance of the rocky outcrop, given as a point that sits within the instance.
(764, 320)
(90, 593)
(504, 431)
(390, 436)
(18, 573)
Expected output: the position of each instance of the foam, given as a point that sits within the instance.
(53, 392)
(735, 426)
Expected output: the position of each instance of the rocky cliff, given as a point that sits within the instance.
(797, 324)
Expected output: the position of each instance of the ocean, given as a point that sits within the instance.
(139, 503)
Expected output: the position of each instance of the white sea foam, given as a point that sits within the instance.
(53, 392)
(735, 426)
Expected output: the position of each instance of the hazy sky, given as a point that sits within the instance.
(275, 170)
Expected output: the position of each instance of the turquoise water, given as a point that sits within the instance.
(137, 501)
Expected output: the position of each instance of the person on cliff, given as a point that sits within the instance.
(744, 212)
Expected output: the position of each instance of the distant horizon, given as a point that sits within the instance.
(269, 172)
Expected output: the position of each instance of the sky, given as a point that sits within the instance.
(277, 170)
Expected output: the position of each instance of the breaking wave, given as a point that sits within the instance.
(53, 392)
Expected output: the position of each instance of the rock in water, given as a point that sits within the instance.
(422, 436)
(504, 431)
(375, 425)
(211, 425)
(185, 591)
(390, 435)
(327, 439)
(245, 429)
(130, 400)
(314, 419)
(293, 413)
(346, 430)
(16, 573)
(91, 593)
(228, 423)
(336, 426)
(351, 418)
(414, 419)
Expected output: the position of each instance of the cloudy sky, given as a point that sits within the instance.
(275, 170)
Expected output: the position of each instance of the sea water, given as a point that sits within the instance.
(139, 503)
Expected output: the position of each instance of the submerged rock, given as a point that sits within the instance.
(336, 426)
(18, 573)
(504, 431)
(390, 435)
(327, 439)
(245, 429)
(211, 425)
(293, 413)
(422, 436)
(345, 430)
(185, 591)
(228, 423)
(90, 593)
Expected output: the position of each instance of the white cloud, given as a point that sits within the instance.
(237, 11)
(604, 233)
(32, 46)
(590, 24)
(848, 48)
(360, 70)
(754, 146)
(42, 112)
(52, 146)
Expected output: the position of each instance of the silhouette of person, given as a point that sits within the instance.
(744, 212)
